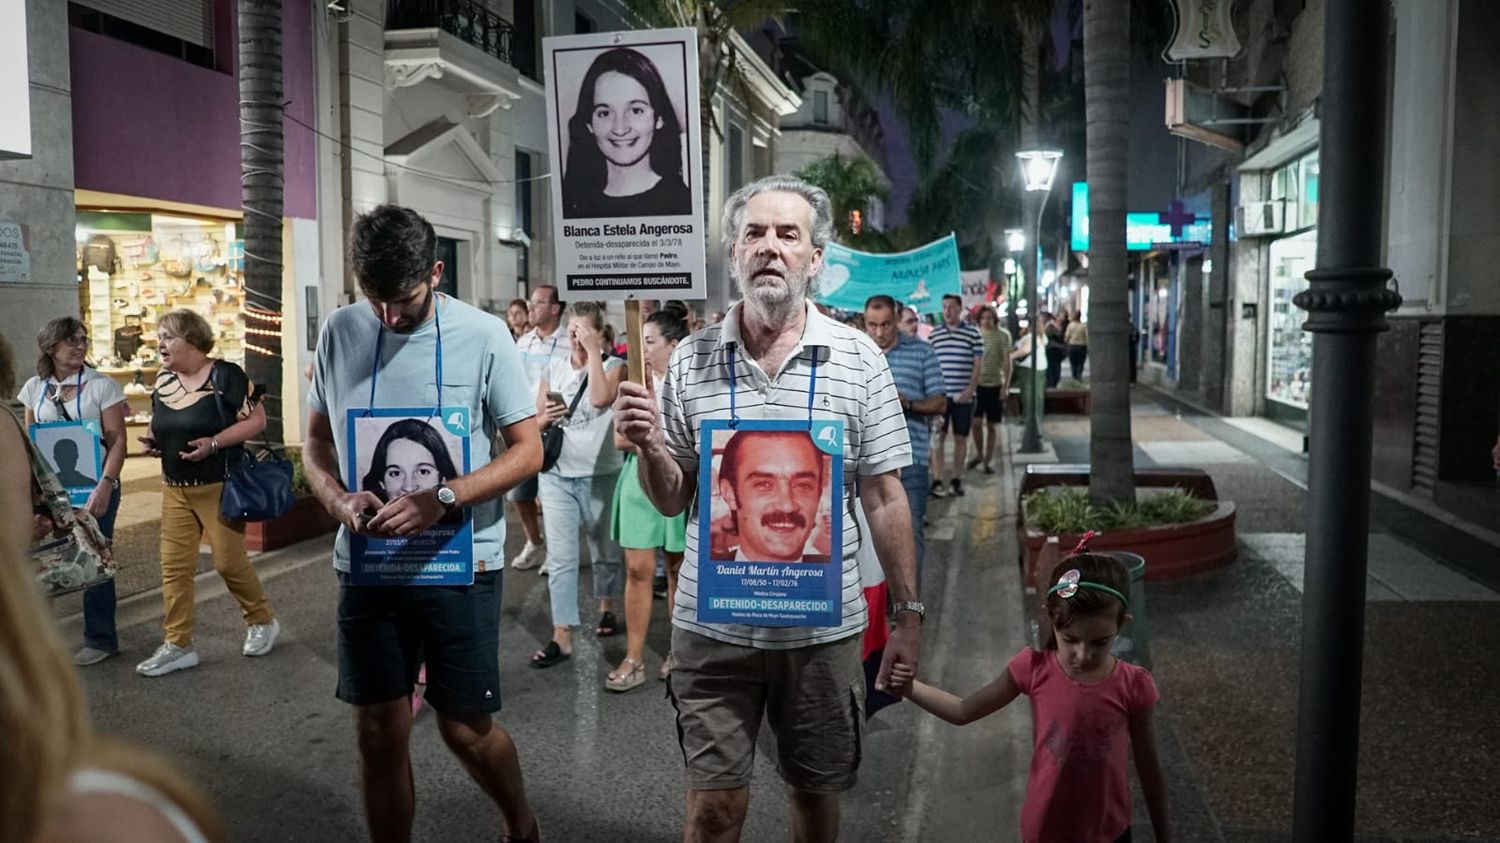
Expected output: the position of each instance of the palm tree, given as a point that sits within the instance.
(852, 185)
(261, 178)
(719, 57)
(1106, 69)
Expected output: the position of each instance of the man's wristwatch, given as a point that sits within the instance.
(447, 497)
(114, 482)
(910, 606)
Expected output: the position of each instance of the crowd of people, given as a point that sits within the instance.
(589, 457)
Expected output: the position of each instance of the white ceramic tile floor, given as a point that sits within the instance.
(1396, 571)
(1193, 453)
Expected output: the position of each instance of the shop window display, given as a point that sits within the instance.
(1288, 347)
(133, 268)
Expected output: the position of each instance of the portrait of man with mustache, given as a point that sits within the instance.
(772, 482)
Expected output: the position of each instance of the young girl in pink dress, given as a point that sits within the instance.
(1089, 711)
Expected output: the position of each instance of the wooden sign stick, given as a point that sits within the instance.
(635, 349)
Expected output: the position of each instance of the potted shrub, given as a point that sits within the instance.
(306, 519)
(1177, 533)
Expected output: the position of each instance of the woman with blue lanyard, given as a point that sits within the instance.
(581, 486)
(65, 390)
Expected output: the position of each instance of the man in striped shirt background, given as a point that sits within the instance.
(806, 681)
(919, 382)
(959, 349)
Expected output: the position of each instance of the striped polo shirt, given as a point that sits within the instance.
(957, 349)
(853, 383)
(914, 366)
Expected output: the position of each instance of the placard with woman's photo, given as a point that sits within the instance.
(622, 121)
(398, 451)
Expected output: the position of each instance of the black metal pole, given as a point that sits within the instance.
(1346, 303)
(1031, 439)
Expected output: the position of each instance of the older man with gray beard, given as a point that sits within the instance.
(779, 359)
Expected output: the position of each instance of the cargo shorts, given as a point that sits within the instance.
(813, 697)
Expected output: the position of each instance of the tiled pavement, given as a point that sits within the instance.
(1225, 648)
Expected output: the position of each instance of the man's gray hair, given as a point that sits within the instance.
(822, 209)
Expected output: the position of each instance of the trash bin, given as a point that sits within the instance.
(1134, 643)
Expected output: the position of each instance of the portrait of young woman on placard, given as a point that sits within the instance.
(625, 143)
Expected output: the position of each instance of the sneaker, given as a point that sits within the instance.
(531, 556)
(937, 490)
(958, 488)
(972, 464)
(659, 587)
(167, 658)
(90, 655)
(261, 637)
(988, 469)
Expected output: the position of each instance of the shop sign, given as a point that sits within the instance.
(1203, 30)
(623, 130)
(15, 84)
(15, 252)
(1144, 231)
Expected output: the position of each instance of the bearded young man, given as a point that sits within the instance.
(387, 353)
(807, 681)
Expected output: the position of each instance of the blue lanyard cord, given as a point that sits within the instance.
(437, 315)
(77, 397)
(812, 388)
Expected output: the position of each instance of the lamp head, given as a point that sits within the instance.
(1039, 168)
(1015, 240)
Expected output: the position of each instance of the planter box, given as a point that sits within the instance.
(1062, 402)
(306, 519)
(1171, 551)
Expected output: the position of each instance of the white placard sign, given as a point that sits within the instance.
(15, 83)
(15, 252)
(624, 136)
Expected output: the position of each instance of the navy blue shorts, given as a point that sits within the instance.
(387, 632)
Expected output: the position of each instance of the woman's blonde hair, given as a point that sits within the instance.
(44, 733)
(190, 326)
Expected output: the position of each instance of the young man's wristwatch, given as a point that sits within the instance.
(910, 606)
(447, 497)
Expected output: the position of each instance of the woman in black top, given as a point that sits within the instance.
(624, 143)
(202, 411)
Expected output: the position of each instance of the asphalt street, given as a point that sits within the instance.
(274, 750)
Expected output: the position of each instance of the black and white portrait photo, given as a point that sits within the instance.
(399, 456)
(623, 124)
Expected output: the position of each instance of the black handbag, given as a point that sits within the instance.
(552, 437)
(257, 487)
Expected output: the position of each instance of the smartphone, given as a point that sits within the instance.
(555, 398)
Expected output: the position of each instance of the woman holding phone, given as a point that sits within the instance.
(197, 417)
(580, 487)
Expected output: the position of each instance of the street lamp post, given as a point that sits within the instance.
(1038, 169)
(1346, 302)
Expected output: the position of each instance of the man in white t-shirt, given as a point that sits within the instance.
(807, 682)
(544, 344)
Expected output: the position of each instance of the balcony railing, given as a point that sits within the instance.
(467, 20)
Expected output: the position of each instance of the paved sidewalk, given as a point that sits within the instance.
(1225, 647)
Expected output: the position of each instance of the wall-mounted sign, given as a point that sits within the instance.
(15, 83)
(1202, 30)
(15, 252)
(1144, 231)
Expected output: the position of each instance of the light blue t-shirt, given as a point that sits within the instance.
(481, 371)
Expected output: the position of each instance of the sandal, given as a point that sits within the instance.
(549, 655)
(622, 682)
(416, 694)
(608, 625)
(666, 668)
(536, 833)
